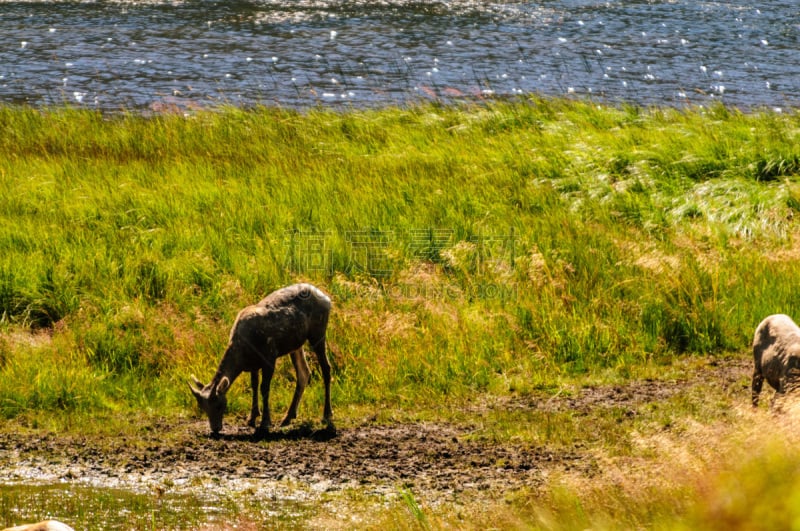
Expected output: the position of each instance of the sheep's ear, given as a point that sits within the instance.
(197, 383)
(223, 385)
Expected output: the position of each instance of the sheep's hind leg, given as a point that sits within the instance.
(325, 367)
(791, 384)
(778, 399)
(254, 411)
(303, 373)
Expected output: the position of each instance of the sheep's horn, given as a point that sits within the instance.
(196, 392)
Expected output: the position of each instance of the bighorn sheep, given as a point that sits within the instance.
(278, 325)
(776, 353)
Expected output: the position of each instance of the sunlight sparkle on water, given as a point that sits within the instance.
(543, 47)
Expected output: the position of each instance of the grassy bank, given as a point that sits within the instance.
(477, 251)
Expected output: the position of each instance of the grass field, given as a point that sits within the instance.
(481, 251)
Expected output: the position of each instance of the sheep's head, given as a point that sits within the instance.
(212, 400)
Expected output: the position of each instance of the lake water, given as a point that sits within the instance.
(162, 55)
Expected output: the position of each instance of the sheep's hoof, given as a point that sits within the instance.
(329, 428)
(261, 433)
(327, 433)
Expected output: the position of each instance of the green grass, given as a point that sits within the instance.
(524, 242)
(506, 248)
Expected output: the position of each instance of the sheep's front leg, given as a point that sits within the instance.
(266, 421)
(303, 373)
(758, 382)
(254, 411)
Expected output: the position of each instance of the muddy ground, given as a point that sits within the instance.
(437, 459)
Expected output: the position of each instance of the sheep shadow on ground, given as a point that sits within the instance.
(304, 431)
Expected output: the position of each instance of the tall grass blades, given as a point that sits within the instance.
(464, 247)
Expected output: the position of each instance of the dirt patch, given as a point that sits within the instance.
(426, 457)
(438, 459)
(731, 375)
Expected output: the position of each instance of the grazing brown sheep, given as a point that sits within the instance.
(776, 353)
(278, 325)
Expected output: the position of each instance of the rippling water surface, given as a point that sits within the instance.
(297, 53)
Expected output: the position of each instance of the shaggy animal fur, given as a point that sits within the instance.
(278, 325)
(776, 353)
